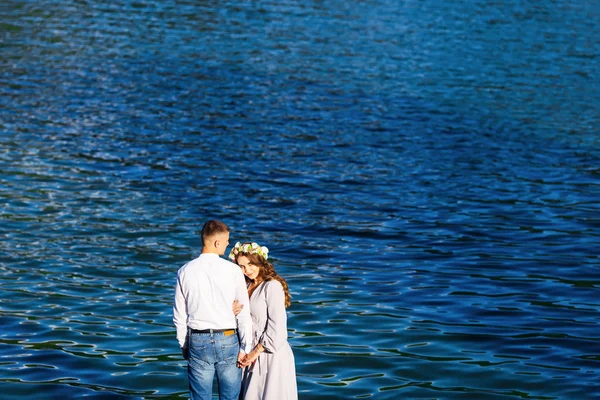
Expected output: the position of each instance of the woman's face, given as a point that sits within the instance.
(249, 269)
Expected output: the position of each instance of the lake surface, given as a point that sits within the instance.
(426, 175)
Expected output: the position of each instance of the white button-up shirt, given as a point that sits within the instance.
(205, 290)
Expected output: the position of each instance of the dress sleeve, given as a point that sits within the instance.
(275, 334)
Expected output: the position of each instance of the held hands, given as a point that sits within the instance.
(251, 357)
(248, 359)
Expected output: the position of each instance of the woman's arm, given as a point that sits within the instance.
(275, 334)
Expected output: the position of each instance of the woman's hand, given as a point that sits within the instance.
(252, 356)
(237, 307)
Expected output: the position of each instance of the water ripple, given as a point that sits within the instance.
(425, 174)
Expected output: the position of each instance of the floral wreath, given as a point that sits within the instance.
(249, 248)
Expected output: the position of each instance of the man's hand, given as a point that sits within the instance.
(251, 357)
(184, 353)
(240, 360)
(237, 307)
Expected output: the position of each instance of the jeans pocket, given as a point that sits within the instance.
(198, 354)
(230, 351)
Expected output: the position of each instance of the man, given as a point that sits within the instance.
(205, 291)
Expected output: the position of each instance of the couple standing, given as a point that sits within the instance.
(231, 320)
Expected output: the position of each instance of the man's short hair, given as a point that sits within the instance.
(212, 228)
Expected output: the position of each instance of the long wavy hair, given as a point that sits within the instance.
(266, 272)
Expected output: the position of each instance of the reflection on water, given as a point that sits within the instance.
(424, 173)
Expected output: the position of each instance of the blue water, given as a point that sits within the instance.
(426, 175)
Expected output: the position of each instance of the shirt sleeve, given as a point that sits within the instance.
(275, 334)
(180, 314)
(243, 319)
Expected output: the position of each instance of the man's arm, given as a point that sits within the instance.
(180, 315)
(244, 321)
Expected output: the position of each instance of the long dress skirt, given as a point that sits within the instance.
(273, 375)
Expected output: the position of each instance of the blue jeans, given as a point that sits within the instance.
(209, 353)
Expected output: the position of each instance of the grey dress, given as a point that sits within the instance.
(273, 375)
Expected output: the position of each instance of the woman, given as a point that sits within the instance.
(270, 373)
